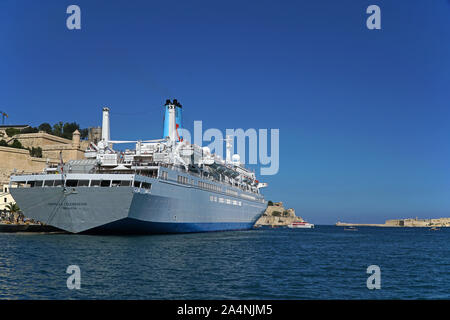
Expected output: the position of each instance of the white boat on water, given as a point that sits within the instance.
(304, 225)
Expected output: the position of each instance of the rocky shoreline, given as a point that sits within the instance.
(13, 227)
(277, 216)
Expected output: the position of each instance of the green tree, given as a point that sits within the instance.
(36, 152)
(69, 128)
(12, 207)
(276, 213)
(3, 143)
(46, 127)
(29, 130)
(12, 132)
(269, 203)
(58, 129)
(16, 144)
(84, 133)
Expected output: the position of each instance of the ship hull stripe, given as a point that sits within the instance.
(134, 226)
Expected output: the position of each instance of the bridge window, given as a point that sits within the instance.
(146, 185)
(95, 183)
(83, 183)
(18, 184)
(58, 183)
(121, 183)
(105, 183)
(38, 183)
(49, 183)
(71, 183)
(137, 184)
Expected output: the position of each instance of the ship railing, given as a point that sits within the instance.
(107, 172)
(210, 178)
(24, 173)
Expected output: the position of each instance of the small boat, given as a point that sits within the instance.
(303, 224)
(434, 228)
(350, 228)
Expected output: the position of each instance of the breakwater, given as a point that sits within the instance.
(409, 222)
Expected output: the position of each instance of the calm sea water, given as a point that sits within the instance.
(323, 263)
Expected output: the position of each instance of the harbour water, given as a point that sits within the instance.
(323, 263)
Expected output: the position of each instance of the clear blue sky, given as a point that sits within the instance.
(363, 115)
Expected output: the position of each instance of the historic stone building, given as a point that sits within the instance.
(19, 160)
(5, 197)
(51, 145)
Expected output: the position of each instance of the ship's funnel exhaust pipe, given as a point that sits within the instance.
(172, 123)
(172, 120)
(105, 125)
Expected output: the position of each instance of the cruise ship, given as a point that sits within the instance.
(165, 185)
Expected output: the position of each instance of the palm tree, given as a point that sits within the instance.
(13, 209)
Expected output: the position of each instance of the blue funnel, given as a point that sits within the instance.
(178, 116)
